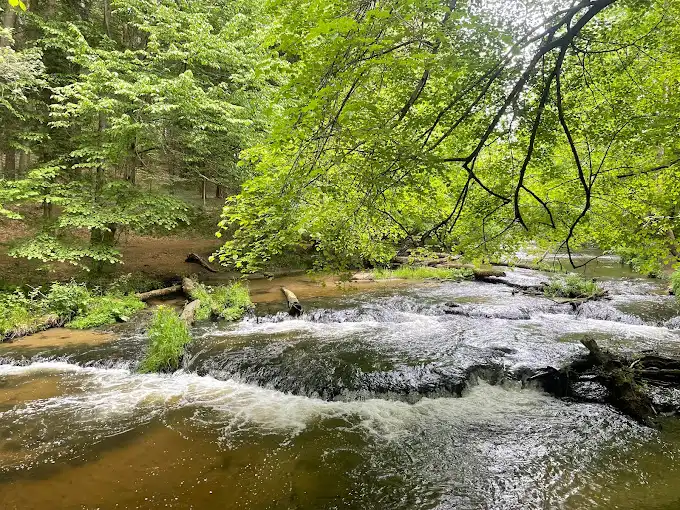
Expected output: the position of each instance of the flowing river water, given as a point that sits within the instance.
(372, 400)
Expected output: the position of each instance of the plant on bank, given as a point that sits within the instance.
(573, 286)
(168, 335)
(70, 304)
(229, 302)
(675, 284)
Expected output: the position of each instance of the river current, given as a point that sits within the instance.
(372, 400)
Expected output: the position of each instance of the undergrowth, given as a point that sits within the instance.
(229, 302)
(72, 304)
(675, 284)
(572, 285)
(422, 273)
(168, 335)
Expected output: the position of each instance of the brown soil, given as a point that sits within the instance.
(160, 258)
(57, 337)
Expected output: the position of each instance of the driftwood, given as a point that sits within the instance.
(619, 378)
(188, 314)
(195, 258)
(145, 296)
(294, 306)
(188, 286)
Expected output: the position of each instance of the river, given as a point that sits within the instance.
(372, 400)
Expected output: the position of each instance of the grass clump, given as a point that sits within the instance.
(572, 286)
(106, 309)
(168, 335)
(422, 273)
(230, 302)
(675, 284)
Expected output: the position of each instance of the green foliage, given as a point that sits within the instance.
(103, 310)
(422, 273)
(67, 300)
(675, 284)
(18, 311)
(71, 303)
(168, 335)
(572, 285)
(118, 107)
(229, 302)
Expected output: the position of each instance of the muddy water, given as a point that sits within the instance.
(374, 399)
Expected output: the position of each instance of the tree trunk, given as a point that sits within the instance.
(11, 163)
(219, 191)
(204, 190)
(23, 162)
(8, 21)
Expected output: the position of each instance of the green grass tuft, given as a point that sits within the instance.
(168, 335)
(422, 273)
(572, 286)
(230, 302)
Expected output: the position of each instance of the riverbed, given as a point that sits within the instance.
(375, 398)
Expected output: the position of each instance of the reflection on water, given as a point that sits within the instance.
(349, 407)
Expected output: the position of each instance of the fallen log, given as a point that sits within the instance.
(188, 286)
(145, 296)
(188, 314)
(625, 393)
(197, 259)
(294, 306)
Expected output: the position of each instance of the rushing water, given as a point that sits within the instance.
(371, 400)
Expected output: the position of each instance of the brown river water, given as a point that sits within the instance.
(363, 403)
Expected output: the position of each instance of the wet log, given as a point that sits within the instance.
(528, 289)
(294, 306)
(145, 296)
(197, 259)
(188, 314)
(619, 378)
(188, 286)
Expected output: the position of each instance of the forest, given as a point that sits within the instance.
(346, 132)
(340, 254)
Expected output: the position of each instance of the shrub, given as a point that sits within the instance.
(572, 286)
(230, 302)
(18, 312)
(675, 283)
(423, 273)
(67, 300)
(168, 335)
(102, 310)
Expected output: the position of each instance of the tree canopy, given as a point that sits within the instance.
(356, 128)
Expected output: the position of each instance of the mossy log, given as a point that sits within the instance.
(294, 305)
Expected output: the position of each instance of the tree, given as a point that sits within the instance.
(465, 126)
(140, 94)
